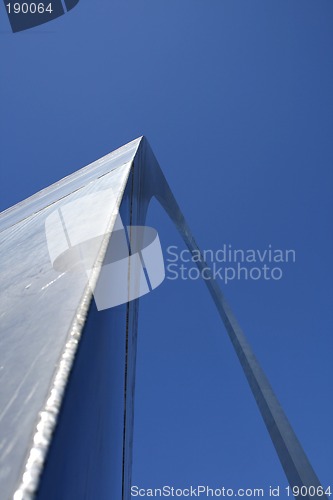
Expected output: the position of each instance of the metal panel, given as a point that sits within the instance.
(42, 313)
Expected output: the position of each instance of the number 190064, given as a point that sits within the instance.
(29, 8)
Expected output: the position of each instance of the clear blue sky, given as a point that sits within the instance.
(235, 98)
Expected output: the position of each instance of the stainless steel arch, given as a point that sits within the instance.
(294, 461)
(49, 339)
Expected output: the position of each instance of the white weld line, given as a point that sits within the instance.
(53, 281)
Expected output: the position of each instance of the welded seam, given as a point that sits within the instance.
(123, 485)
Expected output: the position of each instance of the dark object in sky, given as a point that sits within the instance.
(70, 4)
(24, 14)
(68, 369)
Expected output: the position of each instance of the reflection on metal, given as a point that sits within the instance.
(65, 432)
(74, 241)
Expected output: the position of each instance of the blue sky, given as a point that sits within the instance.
(235, 98)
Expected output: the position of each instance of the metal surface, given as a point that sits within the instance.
(43, 314)
(294, 461)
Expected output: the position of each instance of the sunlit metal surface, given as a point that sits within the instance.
(42, 313)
